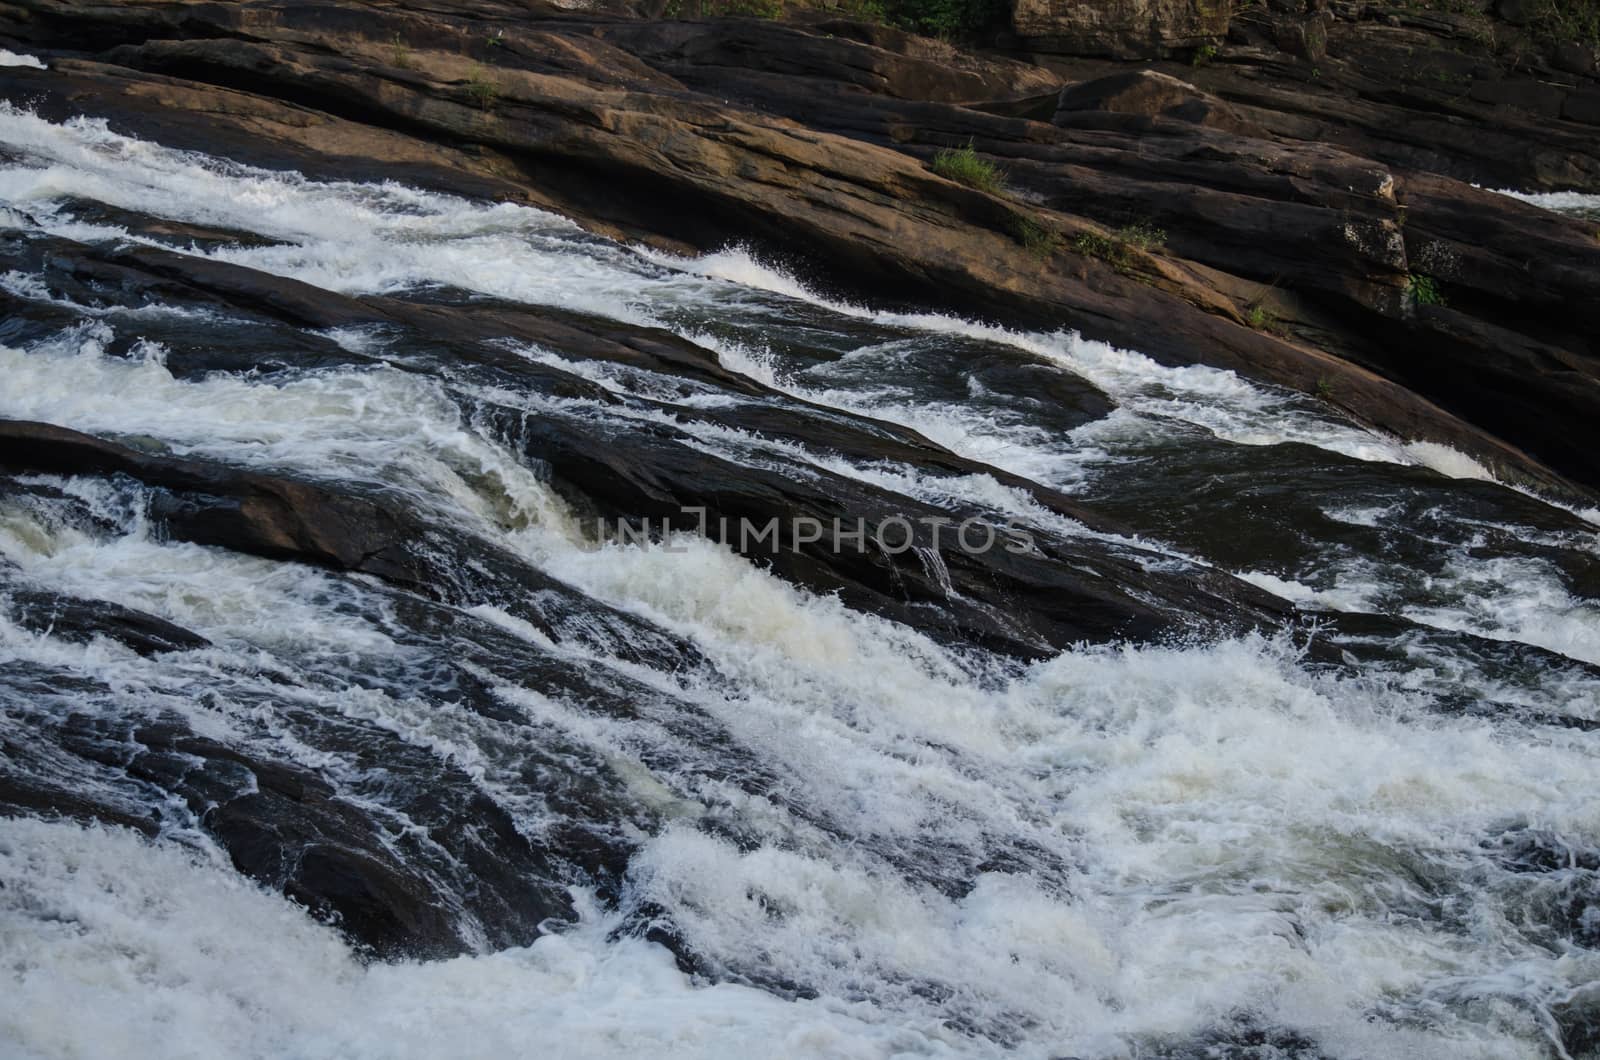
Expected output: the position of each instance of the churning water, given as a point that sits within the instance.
(884, 845)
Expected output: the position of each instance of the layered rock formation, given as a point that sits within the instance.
(813, 142)
(1124, 29)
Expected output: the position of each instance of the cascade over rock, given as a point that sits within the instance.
(488, 490)
(815, 141)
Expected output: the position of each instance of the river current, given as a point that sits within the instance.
(894, 846)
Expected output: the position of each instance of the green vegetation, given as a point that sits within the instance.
(1444, 7)
(1203, 55)
(724, 9)
(1324, 389)
(946, 19)
(861, 10)
(1095, 245)
(1259, 315)
(1261, 318)
(963, 166)
(400, 54)
(943, 18)
(1040, 240)
(1424, 290)
(1561, 21)
(1143, 236)
(1553, 21)
(480, 89)
(1120, 249)
(754, 8)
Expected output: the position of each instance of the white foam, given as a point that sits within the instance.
(1222, 820)
(365, 238)
(116, 947)
(11, 58)
(1449, 462)
(1362, 516)
(1509, 598)
(1304, 595)
(1518, 599)
(1135, 765)
(377, 425)
(1153, 838)
(738, 265)
(1559, 201)
(1215, 400)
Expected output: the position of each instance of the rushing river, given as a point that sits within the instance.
(884, 845)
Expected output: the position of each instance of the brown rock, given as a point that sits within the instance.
(1305, 36)
(1148, 94)
(695, 135)
(1536, 97)
(1126, 29)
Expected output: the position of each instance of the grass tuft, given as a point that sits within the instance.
(400, 54)
(1261, 318)
(480, 89)
(963, 166)
(723, 8)
(1120, 249)
(1568, 21)
(1038, 239)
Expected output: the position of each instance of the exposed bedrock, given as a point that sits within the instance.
(1291, 261)
(1122, 29)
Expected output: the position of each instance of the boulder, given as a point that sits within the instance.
(1305, 36)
